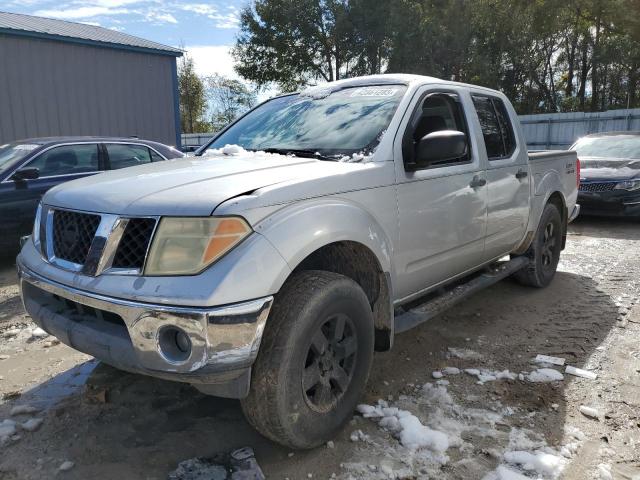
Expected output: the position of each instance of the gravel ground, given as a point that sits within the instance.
(112, 424)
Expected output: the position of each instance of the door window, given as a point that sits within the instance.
(122, 156)
(155, 156)
(437, 112)
(497, 131)
(67, 160)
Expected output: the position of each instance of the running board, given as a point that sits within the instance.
(445, 300)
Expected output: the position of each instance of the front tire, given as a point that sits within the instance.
(313, 362)
(544, 252)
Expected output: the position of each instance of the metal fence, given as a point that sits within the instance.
(550, 131)
(191, 141)
(545, 131)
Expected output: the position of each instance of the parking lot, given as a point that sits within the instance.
(112, 424)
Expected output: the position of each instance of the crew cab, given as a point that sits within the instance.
(300, 239)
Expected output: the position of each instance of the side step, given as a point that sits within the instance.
(445, 300)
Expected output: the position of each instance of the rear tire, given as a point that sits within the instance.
(313, 362)
(544, 252)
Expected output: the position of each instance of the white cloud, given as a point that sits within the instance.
(210, 59)
(221, 20)
(199, 8)
(82, 12)
(161, 17)
(113, 3)
(230, 20)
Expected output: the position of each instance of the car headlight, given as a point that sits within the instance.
(186, 246)
(628, 185)
(35, 235)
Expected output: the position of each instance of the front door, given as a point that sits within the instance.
(507, 177)
(442, 208)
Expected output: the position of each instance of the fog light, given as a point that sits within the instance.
(174, 344)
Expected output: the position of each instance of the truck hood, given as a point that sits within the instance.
(592, 168)
(192, 186)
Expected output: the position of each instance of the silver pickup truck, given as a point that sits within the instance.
(270, 266)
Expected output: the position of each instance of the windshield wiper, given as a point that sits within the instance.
(300, 153)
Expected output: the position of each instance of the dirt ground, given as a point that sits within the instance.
(112, 424)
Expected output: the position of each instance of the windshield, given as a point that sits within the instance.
(342, 122)
(611, 146)
(11, 152)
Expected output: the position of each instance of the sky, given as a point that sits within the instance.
(206, 29)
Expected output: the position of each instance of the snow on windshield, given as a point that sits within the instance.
(333, 123)
(237, 150)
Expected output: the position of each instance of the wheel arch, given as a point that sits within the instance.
(554, 197)
(341, 237)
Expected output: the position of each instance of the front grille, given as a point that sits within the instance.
(134, 243)
(597, 186)
(73, 233)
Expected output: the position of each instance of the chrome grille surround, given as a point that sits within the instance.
(105, 243)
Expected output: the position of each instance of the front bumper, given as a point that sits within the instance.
(223, 341)
(616, 203)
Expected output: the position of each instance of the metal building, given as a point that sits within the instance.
(64, 78)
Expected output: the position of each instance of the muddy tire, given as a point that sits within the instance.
(544, 252)
(313, 362)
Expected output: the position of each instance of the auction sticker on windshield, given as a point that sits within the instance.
(25, 146)
(374, 92)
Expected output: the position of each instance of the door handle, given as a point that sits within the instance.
(521, 174)
(478, 182)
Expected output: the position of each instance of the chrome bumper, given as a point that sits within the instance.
(223, 341)
(574, 213)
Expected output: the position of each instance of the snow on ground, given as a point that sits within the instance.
(463, 353)
(542, 375)
(420, 433)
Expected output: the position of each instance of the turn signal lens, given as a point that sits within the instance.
(186, 246)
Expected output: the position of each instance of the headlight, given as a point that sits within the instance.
(186, 246)
(628, 185)
(35, 235)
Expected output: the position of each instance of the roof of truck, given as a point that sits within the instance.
(386, 79)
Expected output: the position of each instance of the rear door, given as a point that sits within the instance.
(442, 208)
(55, 165)
(123, 155)
(507, 176)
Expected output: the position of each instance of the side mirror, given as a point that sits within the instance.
(27, 173)
(441, 146)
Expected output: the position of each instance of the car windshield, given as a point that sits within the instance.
(12, 152)
(610, 146)
(342, 122)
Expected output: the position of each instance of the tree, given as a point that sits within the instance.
(546, 55)
(192, 98)
(228, 99)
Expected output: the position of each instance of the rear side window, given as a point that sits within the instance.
(155, 157)
(67, 160)
(123, 156)
(497, 131)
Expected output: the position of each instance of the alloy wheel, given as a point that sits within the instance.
(330, 363)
